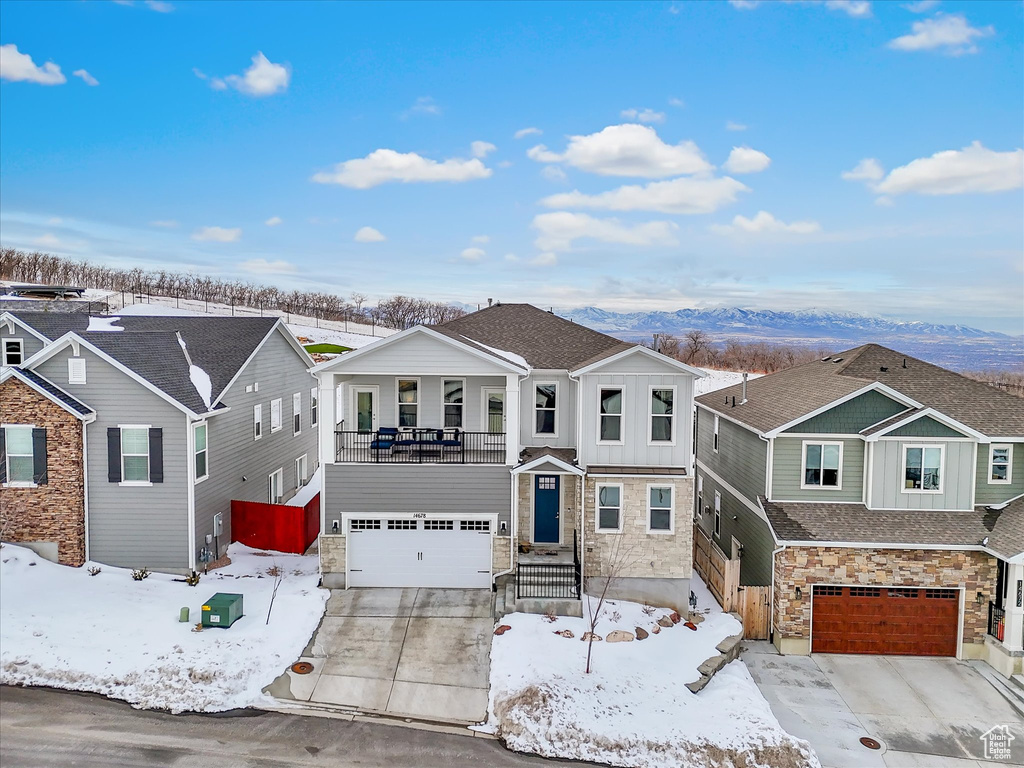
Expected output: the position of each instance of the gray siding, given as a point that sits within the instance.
(887, 479)
(852, 416)
(431, 405)
(30, 344)
(130, 526)
(234, 454)
(742, 456)
(787, 471)
(420, 354)
(989, 493)
(749, 529)
(434, 489)
(565, 411)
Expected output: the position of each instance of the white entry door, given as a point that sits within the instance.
(443, 553)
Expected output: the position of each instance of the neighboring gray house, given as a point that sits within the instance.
(180, 416)
(508, 441)
(882, 499)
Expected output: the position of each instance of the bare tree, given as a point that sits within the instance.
(619, 559)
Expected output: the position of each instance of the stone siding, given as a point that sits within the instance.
(805, 566)
(568, 516)
(500, 553)
(332, 554)
(53, 513)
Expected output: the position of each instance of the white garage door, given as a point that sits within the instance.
(386, 552)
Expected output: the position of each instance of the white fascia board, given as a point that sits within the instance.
(548, 459)
(875, 386)
(8, 317)
(641, 350)
(8, 373)
(939, 417)
(890, 545)
(734, 420)
(278, 327)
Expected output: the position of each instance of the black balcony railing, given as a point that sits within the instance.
(388, 445)
(554, 581)
(996, 621)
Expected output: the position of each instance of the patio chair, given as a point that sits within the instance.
(385, 439)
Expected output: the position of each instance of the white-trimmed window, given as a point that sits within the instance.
(135, 454)
(660, 509)
(1000, 464)
(314, 401)
(610, 415)
(408, 402)
(718, 513)
(276, 486)
(301, 471)
(545, 408)
(454, 394)
(609, 508)
(714, 439)
(822, 465)
(275, 415)
(20, 455)
(200, 451)
(662, 415)
(922, 468)
(257, 421)
(699, 509)
(13, 351)
(76, 370)
(296, 413)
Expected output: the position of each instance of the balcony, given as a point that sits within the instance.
(389, 445)
(996, 622)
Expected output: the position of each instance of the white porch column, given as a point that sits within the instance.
(327, 416)
(1013, 636)
(511, 419)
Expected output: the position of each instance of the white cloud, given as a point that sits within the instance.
(511, 257)
(867, 169)
(884, 201)
(263, 78)
(482, 239)
(159, 6)
(384, 165)
(86, 77)
(55, 220)
(921, 6)
(164, 224)
(745, 5)
(557, 231)
(973, 169)
(19, 67)
(47, 241)
(952, 34)
(746, 160)
(482, 148)
(216, 83)
(646, 115)
(733, 126)
(472, 254)
(424, 105)
(675, 101)
(626, 150)
(217, 234)
(524, 132)
(545, 259)
(273, 221)
(553, 173)
(264, 267)
(369, 235)
(858, 9)
(678, 196)
(764, 223)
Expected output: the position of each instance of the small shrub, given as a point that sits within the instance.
(615, 616)
(94, 570)
(648, 609)
(274, 571)
(192, 579)
(550, 616)
(140, 573)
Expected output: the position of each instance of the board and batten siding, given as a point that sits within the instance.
(635, 450)
(852, 416)
(431, 399)
(741, 522)
(742, 456)
(957, 480)
(787, 471)
(239, 466)
(565, 410)
(130, 526)
(421, 354)
(996, 493)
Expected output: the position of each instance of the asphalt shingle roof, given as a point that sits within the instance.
(53, 390)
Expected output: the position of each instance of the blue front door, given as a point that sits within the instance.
(545, 509)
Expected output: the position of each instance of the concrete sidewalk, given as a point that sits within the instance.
(419, 653)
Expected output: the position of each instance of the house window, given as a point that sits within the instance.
(277, 486)
(439, 525)
(609, 508)
(662, 408)
(718, 513)
(700, 498)
(20, 457)
(296, 413)
(14, 351)
(822, 465)
(714, 440)
(545, 403)
(301, 475)
(275, 415)
(454, 398)
(257, 422)
(922, 468)
(313, 403)
(200, 452)
(408, 402)
(1000, 469)
(76, 370)
(135, 454)
(480, 526)
(659, 509)
(611, 416)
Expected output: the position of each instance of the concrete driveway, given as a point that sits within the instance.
(421, 653)
(927, 712)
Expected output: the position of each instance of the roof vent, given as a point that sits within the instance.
(826, 359)
(904, 362)
(837, 359)
(883, 368)
(490, 302)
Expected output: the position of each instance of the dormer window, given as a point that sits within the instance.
(13, 352)
(1000, 464)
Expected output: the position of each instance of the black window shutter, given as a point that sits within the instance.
(113, 455)
(3, 455)
(156, 455)
(39, 456)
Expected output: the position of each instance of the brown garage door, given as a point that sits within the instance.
(911, 622)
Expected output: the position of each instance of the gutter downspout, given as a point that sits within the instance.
(582, 478)
(771, 613)
(514, 527)
(85, 482)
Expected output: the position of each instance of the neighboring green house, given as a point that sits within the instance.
(882, 499)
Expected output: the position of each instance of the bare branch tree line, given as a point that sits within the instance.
(698, 348)
(393, 312)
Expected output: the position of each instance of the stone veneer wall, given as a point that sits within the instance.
(650, 555)
(804, 566)
(500, 553)
(568, 517)
(55, 512)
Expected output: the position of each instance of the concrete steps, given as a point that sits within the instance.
(504, 598)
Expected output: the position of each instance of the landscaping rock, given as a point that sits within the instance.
(666, 622)
(695, 617)
(502, 629)
(620, 636)
(690, 625)
(655, 629)
(712, 665)
(641, 633)
(565, 633)
(730, 646)
(589, 635)
(676, 618)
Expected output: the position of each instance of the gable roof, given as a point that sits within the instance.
(781, 398)
(48, 389)
(543, 339)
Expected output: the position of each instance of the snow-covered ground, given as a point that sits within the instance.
(719, 380)
(633, 709)
(63, 628)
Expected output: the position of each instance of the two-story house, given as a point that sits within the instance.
(508, 441)
(882, 499)
(123, 440)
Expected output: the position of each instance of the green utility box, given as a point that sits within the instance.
(222, 610)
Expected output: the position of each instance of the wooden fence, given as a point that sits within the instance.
(722, 577)
(279, 527)
(753, 604)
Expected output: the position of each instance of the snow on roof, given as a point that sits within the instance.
(104, 324)
(200, 379)
(511, 356)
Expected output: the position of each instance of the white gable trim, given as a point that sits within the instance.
(939, 417)
(548, 459)
(875, 386)
(17, 373)
(639, 350)
(9, 320)
(279, 327)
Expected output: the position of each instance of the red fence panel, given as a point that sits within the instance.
(275, 526)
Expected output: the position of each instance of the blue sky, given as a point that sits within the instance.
(857, 156)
